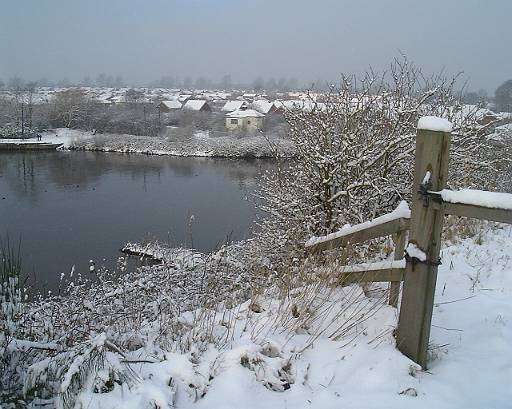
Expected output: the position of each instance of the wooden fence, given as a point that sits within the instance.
(418, 273)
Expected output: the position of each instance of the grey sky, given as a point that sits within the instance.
(145, 39)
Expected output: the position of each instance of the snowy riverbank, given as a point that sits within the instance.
(199, 144)
(141, 341)
(265, 366)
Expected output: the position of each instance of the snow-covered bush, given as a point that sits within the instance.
(355, 152)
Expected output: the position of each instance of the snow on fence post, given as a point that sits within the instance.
(430, 172)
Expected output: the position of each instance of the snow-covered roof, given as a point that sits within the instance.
(306, 105)
(194, 104)
(263, 106)
(172, 104)
(245, 113)
(470, 111)
(117, 98)
(184, 97)
(231, 106)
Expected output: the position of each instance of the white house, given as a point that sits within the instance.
(244, 119)
(197, 105)
(234, 105)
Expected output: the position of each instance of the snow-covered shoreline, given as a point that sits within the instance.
(470, 336)
(300, 350)
(199, 145)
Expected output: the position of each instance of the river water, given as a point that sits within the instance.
(71, 207)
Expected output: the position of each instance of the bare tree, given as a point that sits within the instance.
(355, 151)
(20, 115)
(70, 108)
(503, 97)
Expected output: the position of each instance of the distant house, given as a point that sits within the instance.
(234, 105)
(265, 107)
(298, 104)
(197, 105)
(244, 119)
(168, 106)
(249, 97)
(115, 99)
(184, 97)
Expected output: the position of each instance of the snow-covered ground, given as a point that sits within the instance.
(64, 136)
(264, 366)
(199, 145)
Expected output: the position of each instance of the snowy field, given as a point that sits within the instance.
(470, 361)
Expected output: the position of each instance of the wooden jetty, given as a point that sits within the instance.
(28, 146)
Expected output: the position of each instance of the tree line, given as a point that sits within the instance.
(103, 80)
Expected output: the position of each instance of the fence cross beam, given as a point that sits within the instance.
(471, 210)
(372, 276)
(360, 236)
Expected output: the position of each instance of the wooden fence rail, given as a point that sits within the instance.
(425, 226)
(360, 236)
(361, 273)
(470, 210)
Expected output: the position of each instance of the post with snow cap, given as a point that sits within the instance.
(430, 173)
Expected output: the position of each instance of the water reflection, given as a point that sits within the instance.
(69, 207)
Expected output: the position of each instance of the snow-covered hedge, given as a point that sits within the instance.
(200, 144)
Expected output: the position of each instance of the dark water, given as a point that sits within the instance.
(70, 207)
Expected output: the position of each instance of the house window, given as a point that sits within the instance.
(234, 122)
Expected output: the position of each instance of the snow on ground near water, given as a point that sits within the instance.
(470, 366)
(434, 123)
(65, 136)
(495, 200)
(201, 144)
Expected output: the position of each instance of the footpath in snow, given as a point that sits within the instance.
(263, 366)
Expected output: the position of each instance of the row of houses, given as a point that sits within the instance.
(240, 114)
(262, 106)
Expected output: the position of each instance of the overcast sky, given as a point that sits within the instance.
(145, 39)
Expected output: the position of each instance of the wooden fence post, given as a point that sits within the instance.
(394, 287)
(432, 155)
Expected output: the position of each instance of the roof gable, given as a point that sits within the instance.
(194, 104)
(245, 113)
(233, 105)
(172, 104)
